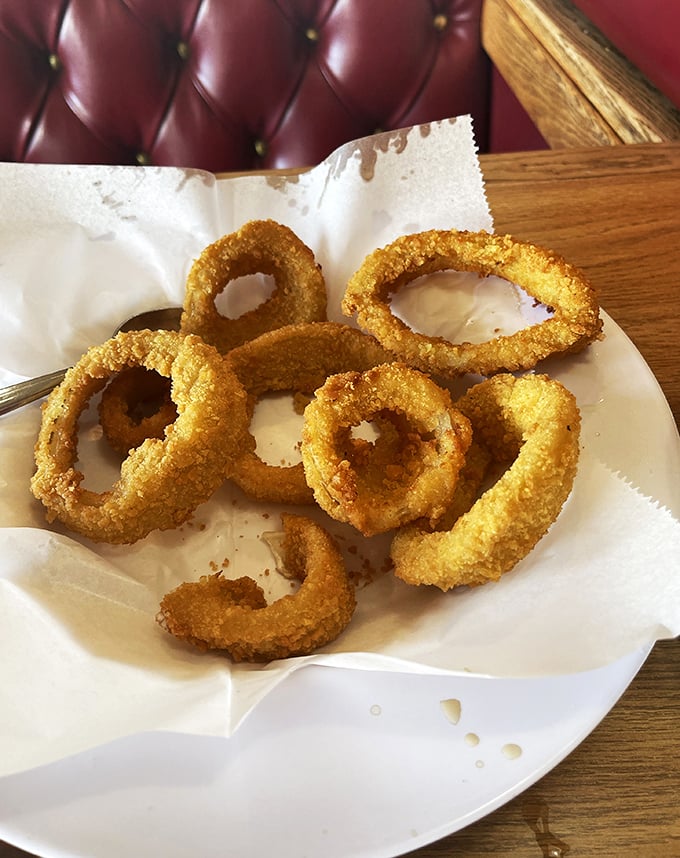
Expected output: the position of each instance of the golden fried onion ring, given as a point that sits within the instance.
(135, 405)
(218, 613)
(534, 423)
(295, 358)
(420, 483)
(261, 246)
(163, 481)
(542, 273)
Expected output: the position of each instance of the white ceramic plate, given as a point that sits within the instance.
(350, 763)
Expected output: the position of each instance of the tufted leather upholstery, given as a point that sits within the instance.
(230, 84)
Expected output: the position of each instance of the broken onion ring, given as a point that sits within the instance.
(232, 615)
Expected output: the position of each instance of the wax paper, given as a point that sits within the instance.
(83, 658)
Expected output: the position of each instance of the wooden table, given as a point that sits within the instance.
(615, 212)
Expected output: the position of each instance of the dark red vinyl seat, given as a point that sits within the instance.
(230, 84)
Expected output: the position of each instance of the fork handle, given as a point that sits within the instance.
(23, 392)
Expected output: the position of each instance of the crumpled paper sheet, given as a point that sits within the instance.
(83, 661)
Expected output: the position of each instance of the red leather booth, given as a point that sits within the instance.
(231, 84)
(247, 84)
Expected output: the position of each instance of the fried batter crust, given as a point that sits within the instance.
(542, 273)
(259, 247)
(216, 613)
(419, 482)
(532, 422)
(163, 480)
(297, 358)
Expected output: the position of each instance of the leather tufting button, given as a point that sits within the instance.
(440, 21)
(182, 50)
(311, 34)
(260, 148)
(142, 159)
(54, 61)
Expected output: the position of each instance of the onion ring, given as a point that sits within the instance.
(218, 613)
(543, 274)
(534, 423)
(163, 481)
(260, 246)
(472, 476)
(135, 405)
(420, 483)
(296, 358)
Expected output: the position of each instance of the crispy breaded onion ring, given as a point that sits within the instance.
(260, 246)
(216, 613)
(543, 274)
(296, 358)
(163, 481)
(375, 496)
(135, 405)
(532, 422)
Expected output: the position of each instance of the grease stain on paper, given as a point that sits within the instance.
(280, 182)
(208, 179)
(111, 201)
(368, 150)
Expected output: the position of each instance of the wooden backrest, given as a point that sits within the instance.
(577, 87)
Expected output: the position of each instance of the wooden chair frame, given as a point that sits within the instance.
(573, 82)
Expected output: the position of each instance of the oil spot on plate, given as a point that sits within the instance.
(511, 751)
(451, 709)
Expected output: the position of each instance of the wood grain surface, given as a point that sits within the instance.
(574, 83)
(614, 212)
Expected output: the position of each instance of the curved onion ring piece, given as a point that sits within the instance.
(163, 481)
(135, 405)
(295, 358)
(261, 246)
(534, 423)
(217, 613)
(420, 482)
(543, 274)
